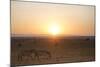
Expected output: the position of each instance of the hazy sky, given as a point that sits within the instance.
(31, 18)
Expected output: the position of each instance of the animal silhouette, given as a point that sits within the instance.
(24, 53)
(33, 54)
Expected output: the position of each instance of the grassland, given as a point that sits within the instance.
(47, 50)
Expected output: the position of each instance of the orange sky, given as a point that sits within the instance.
(31, 18)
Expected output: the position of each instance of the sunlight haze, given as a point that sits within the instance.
(29, 18)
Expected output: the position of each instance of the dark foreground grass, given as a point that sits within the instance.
(46, 50)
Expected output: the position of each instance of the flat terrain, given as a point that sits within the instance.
(47, 50)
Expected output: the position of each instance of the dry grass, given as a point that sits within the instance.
(46, 50)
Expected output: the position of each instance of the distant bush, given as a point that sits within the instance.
(19, 45)
(87, 39)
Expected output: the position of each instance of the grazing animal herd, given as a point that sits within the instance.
(33, 54)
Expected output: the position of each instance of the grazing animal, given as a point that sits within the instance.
(44, 53)
(33, 54)
(23, 54)
(38, 54)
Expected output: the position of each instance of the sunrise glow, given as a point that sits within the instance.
(31, 19)
(54, 29)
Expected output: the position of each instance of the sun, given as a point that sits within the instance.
(54, 29)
